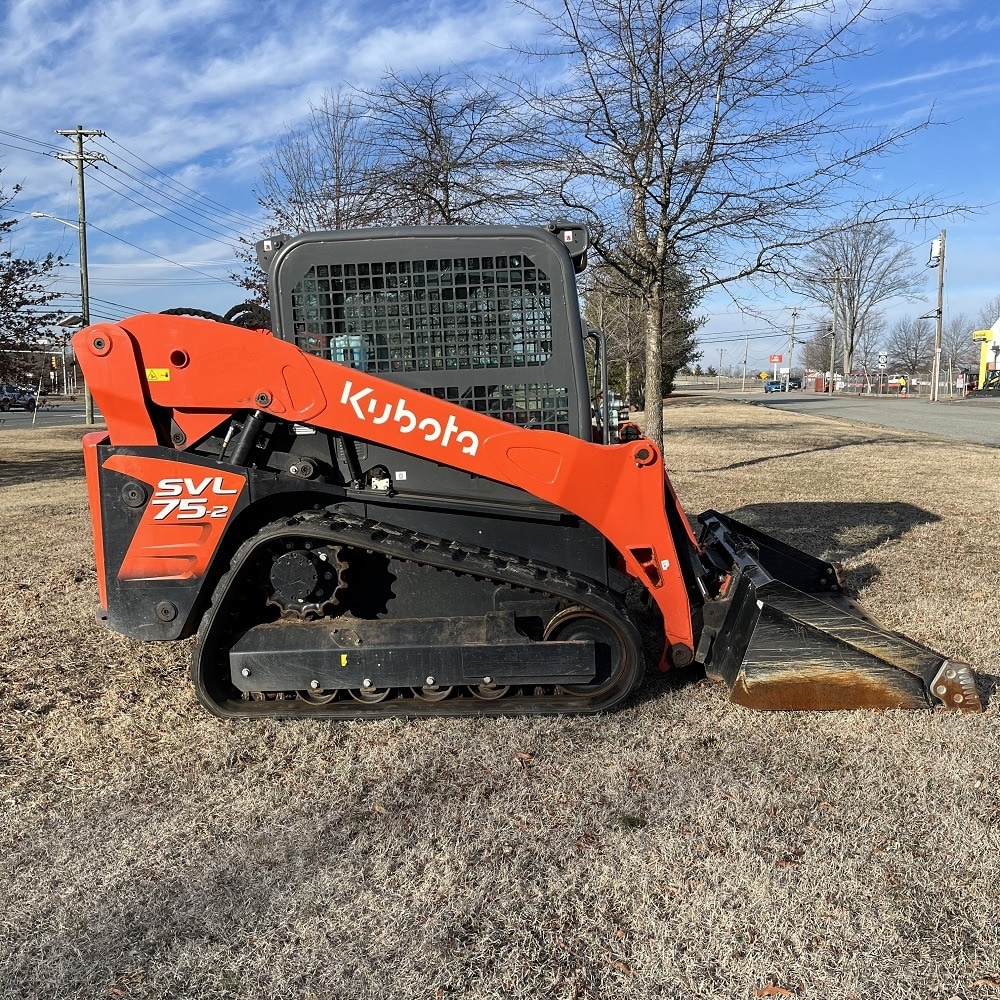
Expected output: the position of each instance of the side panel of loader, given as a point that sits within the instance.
(619, 489)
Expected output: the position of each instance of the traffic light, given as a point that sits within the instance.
(54, 359)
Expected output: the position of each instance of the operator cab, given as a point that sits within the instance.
(486, 317)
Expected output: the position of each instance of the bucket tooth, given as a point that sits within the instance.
(782, 635)
(954, 686)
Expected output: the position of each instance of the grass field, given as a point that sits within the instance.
(679, 847)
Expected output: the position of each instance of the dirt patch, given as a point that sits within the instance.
(680, 847)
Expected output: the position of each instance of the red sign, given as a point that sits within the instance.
(776, 359)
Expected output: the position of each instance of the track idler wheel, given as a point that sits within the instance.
(432, 692)
(610, 647)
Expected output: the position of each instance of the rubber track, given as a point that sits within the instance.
(215, 637)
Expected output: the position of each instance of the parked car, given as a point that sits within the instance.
(794, 382)
(774, 385)
(13, 397)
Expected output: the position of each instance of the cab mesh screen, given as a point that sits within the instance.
(426, 315)
(543, 406)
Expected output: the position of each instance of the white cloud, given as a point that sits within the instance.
(943, 69)
(201, 88)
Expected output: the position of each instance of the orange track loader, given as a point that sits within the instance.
(392, 503)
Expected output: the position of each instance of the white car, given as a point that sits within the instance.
(13, 397)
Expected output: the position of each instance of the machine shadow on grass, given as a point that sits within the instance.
(835, 530)
(47, 468)
(838, 531)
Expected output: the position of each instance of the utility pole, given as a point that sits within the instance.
(791, 343)
(938, 246)
(746, 354)
(718, 383)
(81, 159)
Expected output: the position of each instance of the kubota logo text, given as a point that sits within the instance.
(367, 406)
(190, 499)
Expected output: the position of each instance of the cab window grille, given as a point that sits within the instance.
(440, 314)
(539, 406)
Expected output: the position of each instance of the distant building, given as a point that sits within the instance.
(989, 350)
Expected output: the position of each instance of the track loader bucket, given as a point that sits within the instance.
(783, 635)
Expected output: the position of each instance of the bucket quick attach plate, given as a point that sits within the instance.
(784, 636)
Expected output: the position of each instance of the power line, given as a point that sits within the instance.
(183, 263)
(205, 234)
(48, 147)
(175, 263)
(185, 212)
(189, 191)
(774, 335)
(22, 149)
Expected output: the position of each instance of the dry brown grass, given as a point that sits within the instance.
(680, 847)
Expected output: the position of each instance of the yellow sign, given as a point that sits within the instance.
(157, 374)
(983, 335)
(764, 375)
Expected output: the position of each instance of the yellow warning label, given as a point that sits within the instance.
(343, 659)
(157, 374)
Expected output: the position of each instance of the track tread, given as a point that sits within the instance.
(404, 544)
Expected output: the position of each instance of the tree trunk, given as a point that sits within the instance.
(654, 369)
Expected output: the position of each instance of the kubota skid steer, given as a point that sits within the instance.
(393, 504)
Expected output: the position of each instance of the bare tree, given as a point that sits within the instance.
(25, 297)
(815, 354)
(958, 349)
(856, 267)
(323, 176)
(910, 345)
(714, 133)
(318, 177)
(432, 148)
(436, 147)
(452, 150)
(869, 343)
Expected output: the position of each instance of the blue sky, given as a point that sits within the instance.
(192, 93)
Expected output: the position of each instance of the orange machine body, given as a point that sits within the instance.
(201, 374)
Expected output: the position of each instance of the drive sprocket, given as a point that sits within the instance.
(306, 580)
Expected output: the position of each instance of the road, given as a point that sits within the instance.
(58, 414)
(977, 421)
(962, 419)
